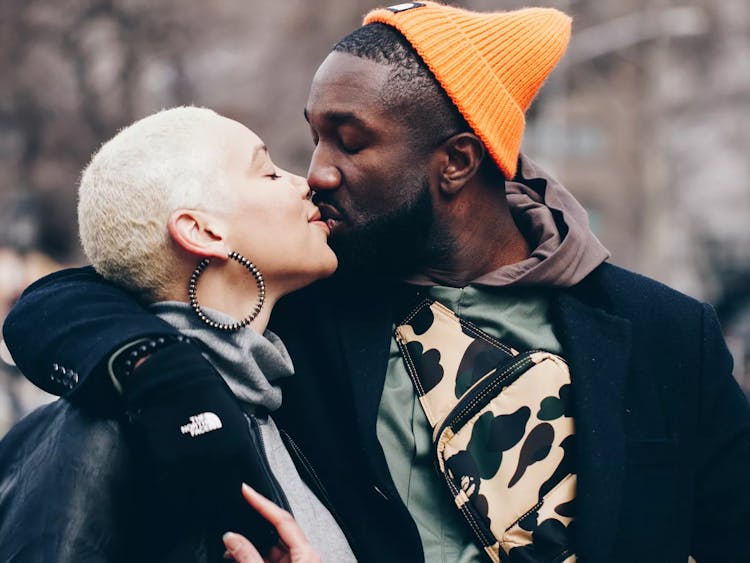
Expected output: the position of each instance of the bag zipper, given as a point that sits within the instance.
(473, 401)
(484, 540)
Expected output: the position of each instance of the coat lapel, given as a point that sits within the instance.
(597, 348)
(365, 335)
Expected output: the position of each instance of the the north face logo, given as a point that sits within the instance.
(201, 424)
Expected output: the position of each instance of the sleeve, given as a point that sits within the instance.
(74, 321)
(66, 325)
(67, 489)
(721, 519)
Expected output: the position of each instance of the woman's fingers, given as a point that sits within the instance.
(286, 526)
(296, 548)
(240, 549)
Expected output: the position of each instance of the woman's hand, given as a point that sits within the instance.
(294, 549)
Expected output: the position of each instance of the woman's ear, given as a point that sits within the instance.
(463, 154)
(197, 232)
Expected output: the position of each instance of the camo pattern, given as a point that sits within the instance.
(434, 342)
(510, 465)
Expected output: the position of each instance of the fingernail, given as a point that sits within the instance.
(247, 488)
(231, 541)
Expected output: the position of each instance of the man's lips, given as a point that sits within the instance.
(329, 214)
(328, 211)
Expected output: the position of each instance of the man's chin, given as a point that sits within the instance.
(337, 239)
(353, 253)
(358, 255)
(391, 245)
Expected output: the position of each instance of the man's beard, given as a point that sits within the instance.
(395, 245)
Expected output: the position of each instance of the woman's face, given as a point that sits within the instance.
(271, 219)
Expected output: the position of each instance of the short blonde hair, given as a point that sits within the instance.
(166, 161)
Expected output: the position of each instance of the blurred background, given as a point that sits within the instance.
(646, 121)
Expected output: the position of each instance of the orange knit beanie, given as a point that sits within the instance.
(490, 64)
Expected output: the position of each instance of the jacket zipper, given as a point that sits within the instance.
(302, 458)
(257, 436)
(317, 484)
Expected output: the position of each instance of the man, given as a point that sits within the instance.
(417, 119)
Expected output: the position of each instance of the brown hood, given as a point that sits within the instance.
(557, 228)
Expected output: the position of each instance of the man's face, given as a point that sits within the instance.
(372, 184)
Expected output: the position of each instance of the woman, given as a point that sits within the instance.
(186, 209)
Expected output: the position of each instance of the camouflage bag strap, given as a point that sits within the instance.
(503, 433)
(445, 356)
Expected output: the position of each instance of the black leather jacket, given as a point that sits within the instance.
(70, 491)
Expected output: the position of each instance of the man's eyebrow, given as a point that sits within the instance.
(345, 117)
(340, 118)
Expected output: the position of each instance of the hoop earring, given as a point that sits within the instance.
(202, 265)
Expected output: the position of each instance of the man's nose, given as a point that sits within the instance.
(322, 174)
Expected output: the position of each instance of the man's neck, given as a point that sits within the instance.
(469, 264)
(484, 237)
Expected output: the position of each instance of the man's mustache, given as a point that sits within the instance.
(329, 209)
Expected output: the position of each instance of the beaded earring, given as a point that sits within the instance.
(202, 265)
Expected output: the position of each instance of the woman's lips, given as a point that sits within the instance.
(323, 225)
(330, 215)
(317, 220)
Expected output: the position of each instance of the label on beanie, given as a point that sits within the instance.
(403, 7)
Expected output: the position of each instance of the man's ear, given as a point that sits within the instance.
(462, 156)
(197, 232)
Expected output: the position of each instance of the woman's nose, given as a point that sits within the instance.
(301, 184)
(322, 175)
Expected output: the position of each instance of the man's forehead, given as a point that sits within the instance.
(339, 65)
(347, 86)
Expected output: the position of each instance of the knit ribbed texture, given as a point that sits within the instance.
(490, 64)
